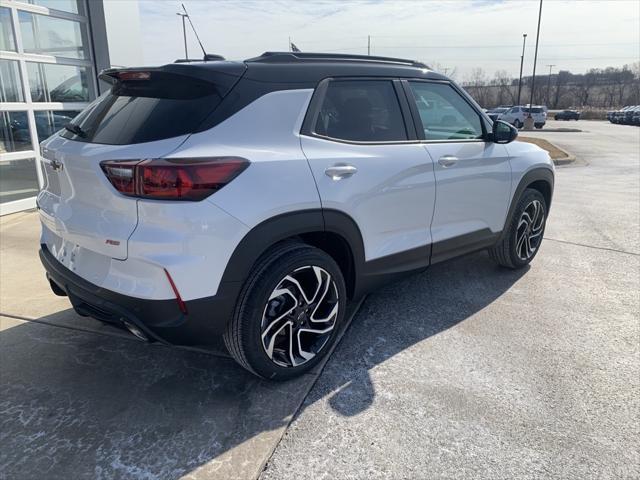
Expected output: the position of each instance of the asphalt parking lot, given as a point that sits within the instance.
(465, 371)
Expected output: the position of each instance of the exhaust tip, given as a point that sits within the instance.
(55, 288)
(136, 331)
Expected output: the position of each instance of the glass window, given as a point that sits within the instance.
(138, 111)
(49, 122)
(14, 132)
(18, 179)
(64, 5)
(361, 110)
(444, 113)
(50, 82)
(51, 36)
(7, 40)
(10, 84)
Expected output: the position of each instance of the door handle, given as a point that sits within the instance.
(338, 172)
(447, 160)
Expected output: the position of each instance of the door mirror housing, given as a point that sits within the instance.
(503, 132)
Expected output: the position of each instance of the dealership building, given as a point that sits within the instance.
(50, 54)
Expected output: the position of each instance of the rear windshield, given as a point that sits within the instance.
(533, 110)
(137, 111)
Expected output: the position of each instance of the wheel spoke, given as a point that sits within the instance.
(528, 243)
(318, 274)
(272, 340)
(537, 208)
(332, 314)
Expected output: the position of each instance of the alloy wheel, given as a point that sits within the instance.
(529, 231)
(299, 316)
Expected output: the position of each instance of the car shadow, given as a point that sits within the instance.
(76, 404)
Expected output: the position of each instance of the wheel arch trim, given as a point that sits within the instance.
(288, 225)
(539, 174)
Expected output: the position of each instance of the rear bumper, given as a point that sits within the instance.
(159, 320)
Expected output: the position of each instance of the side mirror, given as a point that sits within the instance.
(503, 132)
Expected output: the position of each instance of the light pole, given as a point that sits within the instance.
(184, 34)
(528, 124)
(524, 42)
(549, 86)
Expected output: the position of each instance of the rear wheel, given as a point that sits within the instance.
(518, 124)
(288, 313)
(521, 242)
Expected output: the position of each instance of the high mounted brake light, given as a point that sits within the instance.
(173, 178)
(126, 76)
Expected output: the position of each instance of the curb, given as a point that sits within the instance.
(554, 130)
(569, 158)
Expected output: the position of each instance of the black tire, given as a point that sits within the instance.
(507, 252)
(518, 124)
(244, 333)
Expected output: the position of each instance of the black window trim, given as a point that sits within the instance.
(313, 110)
(484, 123)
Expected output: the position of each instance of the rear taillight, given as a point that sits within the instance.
(173, 178)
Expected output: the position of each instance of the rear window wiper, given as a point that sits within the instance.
(73, 128)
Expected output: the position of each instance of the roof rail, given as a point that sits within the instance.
(287, 57)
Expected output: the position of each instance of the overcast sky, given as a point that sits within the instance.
(463, 34)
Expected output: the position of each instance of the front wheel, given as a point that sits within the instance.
(518, 124)
(288, 313)
(521, 241)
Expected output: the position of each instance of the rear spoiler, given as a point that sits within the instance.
(224, 75)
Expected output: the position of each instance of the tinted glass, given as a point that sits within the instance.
(49, 122)
(64, 5)
(14, 132)
(10, 84)
(533, 110)
(18, 179)
(52, 36)
(444, 113)
(58, 83)
(140, 111)
(7, 40)
(362, 111)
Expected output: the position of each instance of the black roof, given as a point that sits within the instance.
(307, 68)
(301, 67)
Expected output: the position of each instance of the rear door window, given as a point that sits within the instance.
(444, 114)
(136, 111)
(361, 111)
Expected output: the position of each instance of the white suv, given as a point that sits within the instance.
(517, 115)
(253, 199)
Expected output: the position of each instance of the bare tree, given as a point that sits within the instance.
(506, 93)
(476, 85)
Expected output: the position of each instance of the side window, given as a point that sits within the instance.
(444, 113)
(361, 111)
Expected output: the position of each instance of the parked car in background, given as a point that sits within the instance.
(517, 115)
(284, 186)
(496, 113)
(567, 115)
(619, 115)
(627, 118)
(635, 120)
